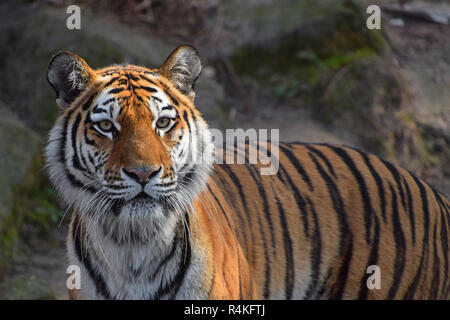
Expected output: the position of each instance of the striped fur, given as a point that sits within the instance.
(198, 230)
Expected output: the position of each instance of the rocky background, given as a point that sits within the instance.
(308, 67)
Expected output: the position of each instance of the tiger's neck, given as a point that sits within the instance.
(196, 258)
(192, 259)
(125, 261)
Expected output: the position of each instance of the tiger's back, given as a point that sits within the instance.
(312, 230)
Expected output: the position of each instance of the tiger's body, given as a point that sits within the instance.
(148, 223)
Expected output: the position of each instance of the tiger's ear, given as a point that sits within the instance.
(69, 75)
(182, 68)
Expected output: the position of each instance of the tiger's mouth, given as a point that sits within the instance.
(142, 199)
(142, 196)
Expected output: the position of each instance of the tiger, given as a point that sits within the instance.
(149, 220)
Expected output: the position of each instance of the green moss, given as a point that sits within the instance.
(297, 62)
(427, 158)
(406, 117)
(26, 287)
(431, 152)
(34, 202)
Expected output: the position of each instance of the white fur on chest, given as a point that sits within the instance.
(136, 270)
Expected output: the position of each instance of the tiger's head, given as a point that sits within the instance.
(129, 140)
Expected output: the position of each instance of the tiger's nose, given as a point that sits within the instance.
(141, 174)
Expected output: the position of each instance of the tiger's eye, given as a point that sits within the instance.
(105, 125)
(162, 122)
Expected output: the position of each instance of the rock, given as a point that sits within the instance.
(25, 287)
(257, 23)
(297, 59)
(32, 34)
(209, 97)
(18, 169)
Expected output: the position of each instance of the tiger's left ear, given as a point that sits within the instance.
(182, 68)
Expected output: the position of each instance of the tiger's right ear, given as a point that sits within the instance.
(69, 75)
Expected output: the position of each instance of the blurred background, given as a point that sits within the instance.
(309, 67)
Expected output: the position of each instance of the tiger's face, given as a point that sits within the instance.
(129, 140)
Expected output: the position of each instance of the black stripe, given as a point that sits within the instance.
(373, 258)
(88, 103)
(185, 264)
(62, 150)
(396, 175)
(133, 77)
(323, 157)
(280, 176)
(410, 211)
(108, 101)
(288, 251)
(230, 197)
(296, 163)
(167, 258)
(298, 198)
(444, 241)
(112, 71)
(116, 90)
(266, 207)
(436, 268)
(96, 109)
(174, 101)
(185, 117)
(140, 99)
(266, 210)
(76, 155)
(84, 258)
(345, 238)
(240, 189)
(238, 185)
(409, 294)
(368, 210)
(148, 89)
(315, 254)
(171, 288)
(424, 255)
(148, 79)
(378, 181)
(400, 246)
(83, 158)
(220, 206)
(323, 287)
(62, 154)
(167, 108)
(75, 158)
(110, 82)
